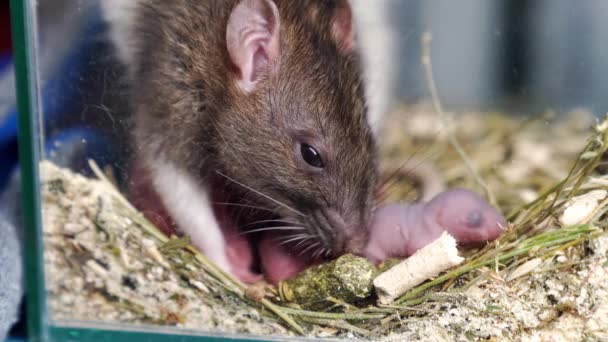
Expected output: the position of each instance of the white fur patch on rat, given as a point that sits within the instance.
(121, 16)
(263, 102)
(191, 208)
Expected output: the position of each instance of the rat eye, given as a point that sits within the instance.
(311, 156)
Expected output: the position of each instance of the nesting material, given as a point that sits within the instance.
(426, 263)
(528, 267)
(580, 207)
(92, 239)
(348, 279)
(101, 265)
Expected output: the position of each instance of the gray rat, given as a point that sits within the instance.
(259, 103)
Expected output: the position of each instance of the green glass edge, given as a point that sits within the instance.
(21, 26)
(103, 335)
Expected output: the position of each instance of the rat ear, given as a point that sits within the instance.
(342, 25)
(252, 38)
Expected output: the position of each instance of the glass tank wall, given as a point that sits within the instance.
(176, 200)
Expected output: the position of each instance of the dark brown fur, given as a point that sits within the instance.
(189, 111)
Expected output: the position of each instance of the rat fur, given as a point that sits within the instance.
(226, 96)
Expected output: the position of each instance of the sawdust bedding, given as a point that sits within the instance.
(103, 264)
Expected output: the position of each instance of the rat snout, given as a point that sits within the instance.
(347, 235)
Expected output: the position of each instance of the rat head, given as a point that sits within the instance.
(295, 131)
(466, 216)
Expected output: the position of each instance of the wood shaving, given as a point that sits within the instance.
(101, 267)
(98, 270)
(580, 207)
(525, 268)
(426, 263)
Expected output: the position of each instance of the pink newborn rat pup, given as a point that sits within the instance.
(400, 229)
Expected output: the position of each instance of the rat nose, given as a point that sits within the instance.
(345, 235)
(335, 220)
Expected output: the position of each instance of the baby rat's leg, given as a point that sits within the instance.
(190, 207)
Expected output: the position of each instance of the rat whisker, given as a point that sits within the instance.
(260, 193)
(288, 228)
(230, 204)
(272, 221)
(406, 168)
(410, 161)
(303, 242)
(296, 238)
(312, 246)
(321, 220)
(428, 179)
(327, 253)
(318, 253)
(394, 173)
